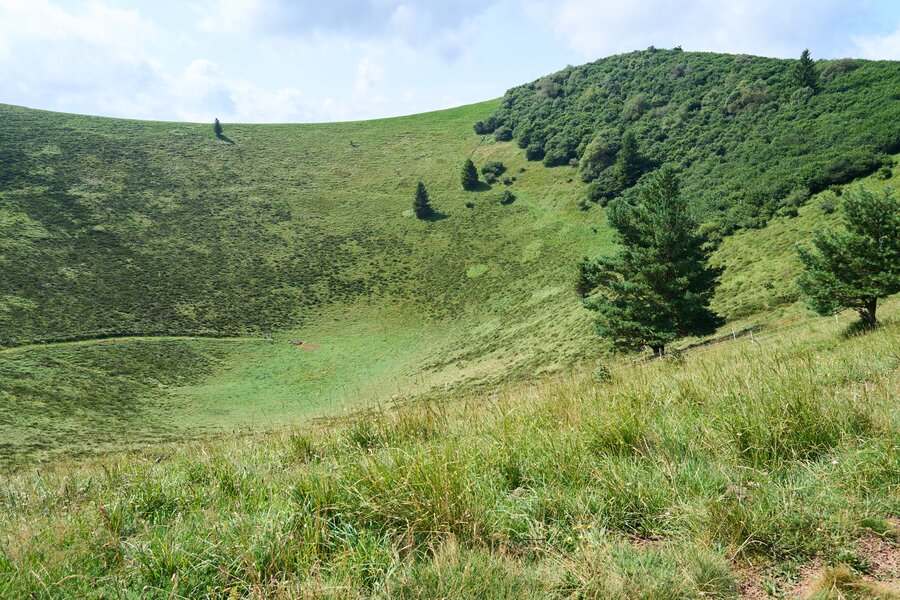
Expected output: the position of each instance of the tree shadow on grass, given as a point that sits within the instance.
(481, 187)
(434, 217)
(225, 138)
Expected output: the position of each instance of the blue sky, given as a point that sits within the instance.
(327, 60)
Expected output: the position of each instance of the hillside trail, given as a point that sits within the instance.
(129, 338)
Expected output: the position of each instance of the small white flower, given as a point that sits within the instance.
(834, 462)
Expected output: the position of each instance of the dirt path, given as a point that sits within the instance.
(134, 338)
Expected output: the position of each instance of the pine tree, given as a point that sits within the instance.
(658, 287)
(855, 267)
(421, 204)
(805, 72)
(469, 175)
(627, 168)
(217, 127)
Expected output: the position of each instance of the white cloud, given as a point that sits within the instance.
(98, 59)
(766, 27)
(94, 53)
(441, 25)
(369, 74)
(884, 47)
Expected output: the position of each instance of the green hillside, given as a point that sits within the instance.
(157, 283)
(749, 139)
(240, 367)
(298, 232)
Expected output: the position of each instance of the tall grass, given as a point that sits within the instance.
(665, 481)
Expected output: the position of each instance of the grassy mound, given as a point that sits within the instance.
(733, 466)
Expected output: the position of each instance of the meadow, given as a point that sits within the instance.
(743, 468)
(240, 366)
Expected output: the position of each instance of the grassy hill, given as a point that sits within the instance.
(327, 397)
(746, 468)
(157, 283)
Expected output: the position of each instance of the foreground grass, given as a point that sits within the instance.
(669, 479)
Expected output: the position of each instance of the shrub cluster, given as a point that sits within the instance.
(744, 131)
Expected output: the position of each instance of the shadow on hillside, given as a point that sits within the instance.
(859, 327)
(225, 138)
(435, 216)
(481, 187)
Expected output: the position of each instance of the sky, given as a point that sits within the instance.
(338, 60)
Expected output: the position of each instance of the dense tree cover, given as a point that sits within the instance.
(469, 175)
(855, 267)
(658, 287)
(738, 128)
(421, 204)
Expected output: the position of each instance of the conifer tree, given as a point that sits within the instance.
(217, 127)
(658, 287)
(855, 267)
(469, 175)
(421, 204)
(627, 168)
(805, 72)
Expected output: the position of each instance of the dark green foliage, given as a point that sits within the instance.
(856, 267)
(658, 287)
(828, 203)
(627, 169)
(503, 134)
(885, 172)
(469, 175)
(494, 167)
(534, 151)
(599, 155)
(560, 150)
(603, 189)
(487, 126)
(740, 129)
(217, 128)
(806, 74)
(421, 204)
(833, 68)
(507, 197)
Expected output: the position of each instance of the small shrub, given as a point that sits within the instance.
(507, 197)
(507, 180)
(797, 197)
(534, 151)
(601, 374)
(828, 203)
(885, 172)
(490, 178)
(494, 167)
(838, 67)
(470, 205)
(603, 189)
(487, 126)
(503, 134)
